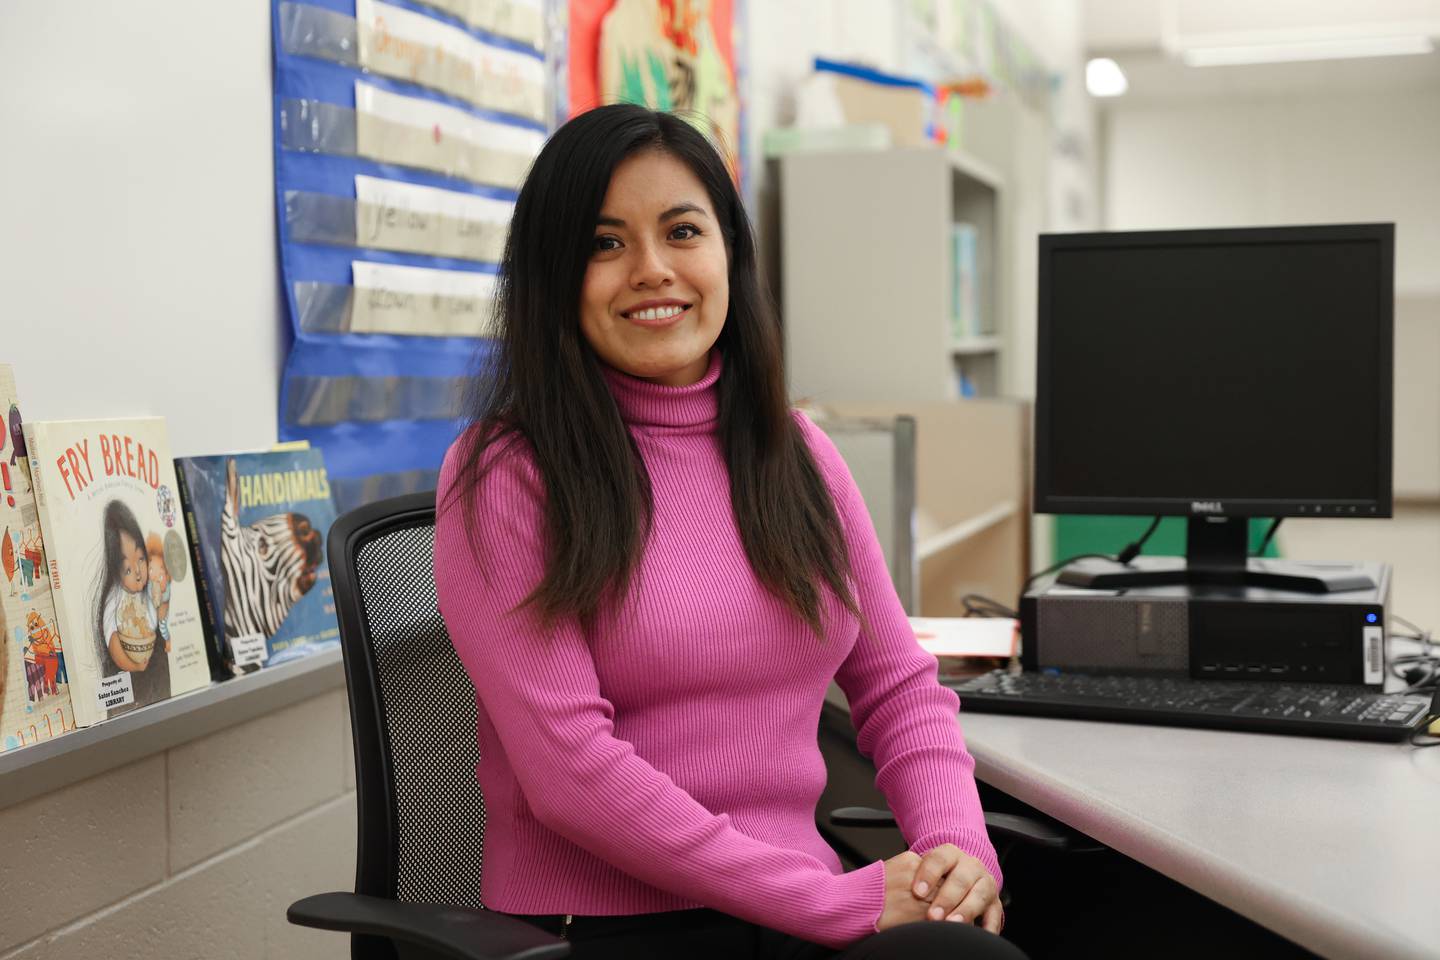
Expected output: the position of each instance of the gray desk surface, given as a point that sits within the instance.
(1333, 844)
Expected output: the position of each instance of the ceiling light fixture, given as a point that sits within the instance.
(1337, 49)
(1104, 78)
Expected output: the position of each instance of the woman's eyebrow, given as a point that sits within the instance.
(682, 208)
(679, 209)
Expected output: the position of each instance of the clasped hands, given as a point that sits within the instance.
(945, 884)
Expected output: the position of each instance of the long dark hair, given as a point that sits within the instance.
(542, 384)
(118, 520)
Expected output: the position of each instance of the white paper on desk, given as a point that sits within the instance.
(967, 636)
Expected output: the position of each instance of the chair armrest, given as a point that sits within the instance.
(458, 933)
(1003, 825)
(1028, 830)
(861, 817)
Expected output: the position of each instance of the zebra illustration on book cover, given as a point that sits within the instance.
(34, 684)
(119, 567)
(258, 523)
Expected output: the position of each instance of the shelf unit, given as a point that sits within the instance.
(970, 527)
(868, 274)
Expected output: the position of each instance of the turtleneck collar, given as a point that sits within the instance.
(646, 404)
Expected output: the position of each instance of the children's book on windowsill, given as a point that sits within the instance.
(120, 570)
(257, 524)
(34, 682)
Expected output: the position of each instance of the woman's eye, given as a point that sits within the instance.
(684, 231)
(605, 243)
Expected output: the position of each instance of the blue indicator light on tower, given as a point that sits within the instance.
(1371, 618)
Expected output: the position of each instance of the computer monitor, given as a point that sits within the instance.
(1219, 375)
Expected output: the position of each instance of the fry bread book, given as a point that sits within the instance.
(120, 568)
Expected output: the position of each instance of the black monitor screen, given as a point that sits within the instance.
(1245, 368)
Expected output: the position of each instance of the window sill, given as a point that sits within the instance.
(36, 770)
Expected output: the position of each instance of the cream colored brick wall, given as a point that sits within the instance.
(191, 853)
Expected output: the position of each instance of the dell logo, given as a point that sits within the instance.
(1206, 506)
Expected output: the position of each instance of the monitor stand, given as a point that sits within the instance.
(1217, 554)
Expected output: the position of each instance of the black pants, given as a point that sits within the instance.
(711, 935)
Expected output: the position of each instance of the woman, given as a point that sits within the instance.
(652, 569)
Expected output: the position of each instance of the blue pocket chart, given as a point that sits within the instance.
(402, 132)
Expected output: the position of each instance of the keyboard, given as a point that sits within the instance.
(1356, 713)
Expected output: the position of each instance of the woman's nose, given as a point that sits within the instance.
(652, 269)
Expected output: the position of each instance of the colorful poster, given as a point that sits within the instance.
(676, 55)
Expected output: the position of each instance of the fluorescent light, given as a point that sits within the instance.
(1104, 78)
(1341, 49)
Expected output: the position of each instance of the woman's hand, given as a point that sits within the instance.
(957, 886)
(901, 904)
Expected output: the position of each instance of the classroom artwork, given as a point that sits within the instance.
(34, 685)
(391, 215)
(440, 138)
(402, 133)
(124, 596)
(676, 55)
(447, 58)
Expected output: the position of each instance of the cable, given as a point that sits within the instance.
(1421, 669)
(1421, 737)
(1030, 580)
(1269, 535)
(1124, 557)
(1407, 624)
(977, 605)
(1133, 550)
(1421, 673)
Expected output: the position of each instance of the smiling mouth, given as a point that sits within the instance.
(656, 314)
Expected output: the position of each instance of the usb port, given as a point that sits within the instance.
(1278, 668)
(1232, 668)
(1255, 668)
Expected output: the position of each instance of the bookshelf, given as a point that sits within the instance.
(867, 289)
(868, 275)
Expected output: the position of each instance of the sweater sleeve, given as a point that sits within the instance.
(905, 721)
(540, 691)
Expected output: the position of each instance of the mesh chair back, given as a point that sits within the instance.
(412, 707)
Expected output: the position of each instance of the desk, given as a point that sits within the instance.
(1332, 844)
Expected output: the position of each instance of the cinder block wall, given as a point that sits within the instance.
(192, 852)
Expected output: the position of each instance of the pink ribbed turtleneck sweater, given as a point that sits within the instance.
(667, 759)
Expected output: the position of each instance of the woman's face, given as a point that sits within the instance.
(657, 289)
(134, 568)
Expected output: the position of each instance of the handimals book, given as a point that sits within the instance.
(258, 523)
(119, 559)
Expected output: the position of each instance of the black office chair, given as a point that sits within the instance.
(412, 710)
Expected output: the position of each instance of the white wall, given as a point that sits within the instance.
(1317, 159)
(1321, 158)
(137, 238)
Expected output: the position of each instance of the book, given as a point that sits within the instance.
(967, 636)
(964, 279)
(34, 684)
(119, 563)
(968, 646)
(258, 523)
